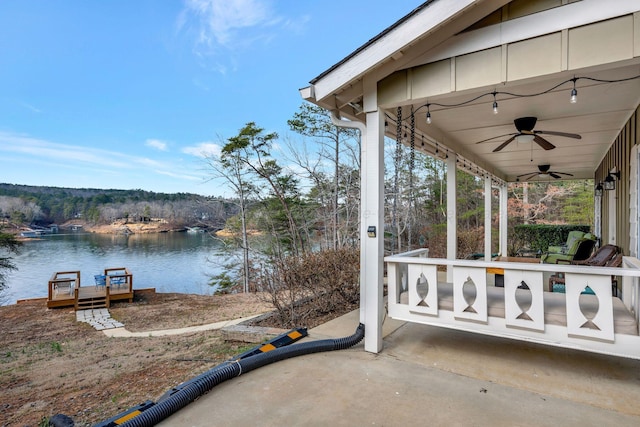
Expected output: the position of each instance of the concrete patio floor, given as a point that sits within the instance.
(426, 376)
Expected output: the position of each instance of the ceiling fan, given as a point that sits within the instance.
(543, 171)
(526, 133)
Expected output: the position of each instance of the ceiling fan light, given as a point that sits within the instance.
(574, 96)
(524, 138)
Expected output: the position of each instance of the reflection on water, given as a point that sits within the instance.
(169, 262)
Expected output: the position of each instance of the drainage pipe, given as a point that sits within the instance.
(221, 373)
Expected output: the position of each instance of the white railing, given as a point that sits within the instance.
(524, 308)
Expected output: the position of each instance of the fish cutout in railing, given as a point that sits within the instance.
(590, 314)
(422, 288)
(470, 293)
(524, 300)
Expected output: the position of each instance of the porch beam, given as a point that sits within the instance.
(504, 196)
(487, 219)
(537, 24)
(452, 235)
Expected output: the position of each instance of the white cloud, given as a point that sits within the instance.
(157, 144)
(39, 148)
(55, 155)
(204, 149)
(180, 175)
(31, 107)
(220, 20)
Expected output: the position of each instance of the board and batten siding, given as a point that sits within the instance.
(625, 196)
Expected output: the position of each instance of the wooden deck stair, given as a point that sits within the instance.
(91, 302)
(90, 297)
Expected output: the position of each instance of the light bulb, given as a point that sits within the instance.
(428, 118)
(495, 107)
(574, 96)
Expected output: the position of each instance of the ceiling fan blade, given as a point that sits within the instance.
(561, 173)
(504, 144)
(543, 143)
(495, 137)
(553, 174)
(565, 134)
(525, 174)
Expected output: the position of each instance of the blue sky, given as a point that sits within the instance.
(127, 94)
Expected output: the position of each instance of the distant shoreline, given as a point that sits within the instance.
(116, 227)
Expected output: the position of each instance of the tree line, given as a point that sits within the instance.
(23, 204)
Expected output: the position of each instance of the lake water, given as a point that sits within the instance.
(169, 262)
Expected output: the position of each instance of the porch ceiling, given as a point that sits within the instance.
(598, 116)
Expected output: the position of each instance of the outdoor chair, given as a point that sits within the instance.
(606, 256)
(599, 259)
(117, 281)
(66, 285)
(580, 250)
(101, 281)
(615, 262)
(572, 238)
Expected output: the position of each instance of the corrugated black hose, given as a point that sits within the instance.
(221, 373)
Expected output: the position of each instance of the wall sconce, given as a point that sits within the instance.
(598, 190)
(610, 180)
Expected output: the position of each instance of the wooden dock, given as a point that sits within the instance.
(65, 289)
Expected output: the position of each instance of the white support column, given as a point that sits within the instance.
(452, 235)
(487, 219)
(612, 200)
(372, 220)
(504, 196)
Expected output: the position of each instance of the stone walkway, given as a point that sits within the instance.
(123, 333)
(100, 319)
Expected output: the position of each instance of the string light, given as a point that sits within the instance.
(573, 96)
(573, 99)
(574, 92)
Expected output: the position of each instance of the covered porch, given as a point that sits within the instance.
(501, 89)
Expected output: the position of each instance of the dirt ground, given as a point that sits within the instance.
(50, 364)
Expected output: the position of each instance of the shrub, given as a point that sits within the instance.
(311, 285)
(539, 237)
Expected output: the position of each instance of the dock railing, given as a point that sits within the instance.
(119, 283)
(63, 281)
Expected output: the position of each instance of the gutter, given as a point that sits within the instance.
(336, 120)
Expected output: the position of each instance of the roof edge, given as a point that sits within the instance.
(373, 40)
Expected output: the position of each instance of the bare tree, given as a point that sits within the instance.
(331, 188)
(233, 169)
